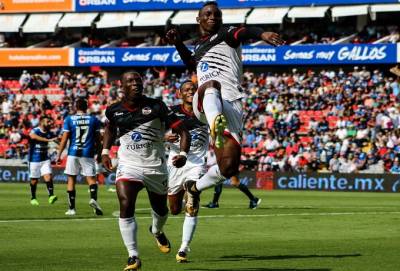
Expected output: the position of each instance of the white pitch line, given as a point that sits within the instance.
(204, 216)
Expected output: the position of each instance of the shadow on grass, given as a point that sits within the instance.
(262, 269)
(235, 258)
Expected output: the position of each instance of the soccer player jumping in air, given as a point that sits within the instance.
(217, 60)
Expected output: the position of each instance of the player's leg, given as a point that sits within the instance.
(159, 214)
(175, 202)
(71, 170)
(34, 175)
(208, 99)
(254, 201)
(127, 191)
(88, 166)
(46, 172)
(217, 194)
(48, 179)
(228, 160)
(189, 224)
(33, 186)
(71, 180)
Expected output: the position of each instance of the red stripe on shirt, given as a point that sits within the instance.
(235, 35)
(175, 124)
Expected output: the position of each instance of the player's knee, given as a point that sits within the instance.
(229, 170)
(212, 84)
(161, 210)
(175, 210)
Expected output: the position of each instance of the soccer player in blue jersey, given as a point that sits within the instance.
(39, 161)
(83, 133)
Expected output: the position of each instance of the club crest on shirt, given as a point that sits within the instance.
(146, 110)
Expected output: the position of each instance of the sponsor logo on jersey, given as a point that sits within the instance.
(146, 111)
(136, 136)
(209, 76)
(203, 66)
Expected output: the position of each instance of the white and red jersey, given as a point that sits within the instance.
(141, 132)
(218, 57)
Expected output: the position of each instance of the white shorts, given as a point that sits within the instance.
(80, 165)
(178, 176)
(233, 112)
(155, 180)
(38, 169)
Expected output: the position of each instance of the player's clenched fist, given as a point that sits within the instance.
(173, 36)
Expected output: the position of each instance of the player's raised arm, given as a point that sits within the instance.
(241, 34)
(173, 37)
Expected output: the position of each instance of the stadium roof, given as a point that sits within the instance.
(343, 11)
(41, 23)
(77, 19)
(152, 18)
(185, 17)
(11, 22)
(308, 12)
(234, 16)
(116, 19)
(385, 8)
(267, 16)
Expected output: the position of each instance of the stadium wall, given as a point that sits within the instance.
(311, 181)
(168, 56)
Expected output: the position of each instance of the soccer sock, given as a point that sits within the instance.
(33, 190)
(71, 199)
(246, 190)
(50, 188)
(217, 193)
(158, 222)
(128, 229)
(212, 105)
(189, 227)
(211, 178)
(93, 191)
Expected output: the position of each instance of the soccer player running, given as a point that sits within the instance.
(39, 161)
(140, 123)
(217, 59)
(194, 168)
(83, 133)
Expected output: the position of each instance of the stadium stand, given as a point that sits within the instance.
(329, 120)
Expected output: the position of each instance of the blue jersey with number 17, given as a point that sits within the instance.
(82, 129)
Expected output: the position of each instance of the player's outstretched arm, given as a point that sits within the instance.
(180, 160)
(42, 139)
(239, 35)
(174, 38)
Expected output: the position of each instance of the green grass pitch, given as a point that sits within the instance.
(291, 231)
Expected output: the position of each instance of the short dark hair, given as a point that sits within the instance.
(130, 72)
(185, 82)
(81, 104)
(209, 3)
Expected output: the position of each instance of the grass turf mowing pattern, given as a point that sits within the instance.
(291, 231)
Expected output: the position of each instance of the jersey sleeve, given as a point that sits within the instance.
(67, 124)
(170, 119)
(109, 116)
(234, 36)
